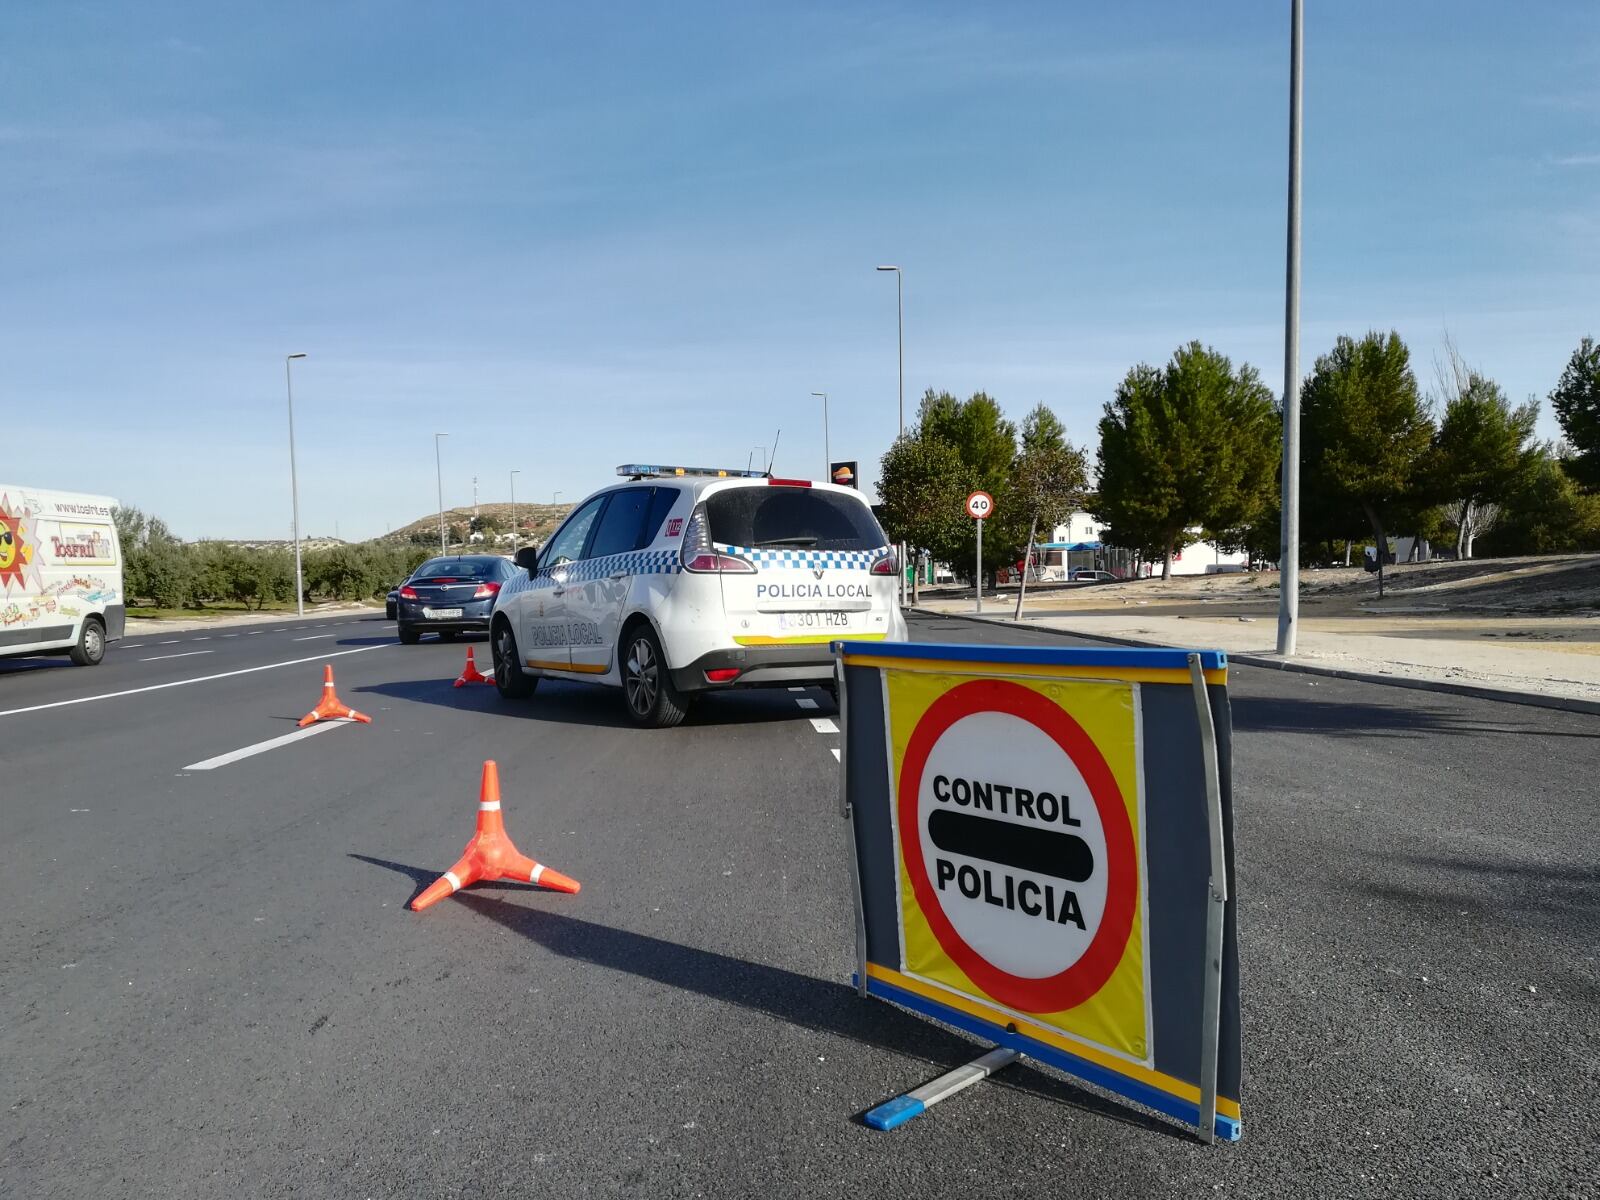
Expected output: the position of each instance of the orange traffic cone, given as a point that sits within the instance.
(330, 707)
(490, 854)
(471, 674)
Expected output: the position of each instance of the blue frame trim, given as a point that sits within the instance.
(1158, 658)
(1227, 1129)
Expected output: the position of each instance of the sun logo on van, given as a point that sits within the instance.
(14, 549)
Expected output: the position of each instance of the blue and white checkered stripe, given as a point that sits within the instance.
(778, 558)
(635, 562)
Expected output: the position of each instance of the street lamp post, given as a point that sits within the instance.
(438, 474)
(514, 475)
(294, 488)
(827, 453)
(554, 496)
(900, 336)
(1289, 549)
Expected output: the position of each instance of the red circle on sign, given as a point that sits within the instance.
(1072, 986)
(980, 505)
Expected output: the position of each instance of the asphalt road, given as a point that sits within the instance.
(210, 983)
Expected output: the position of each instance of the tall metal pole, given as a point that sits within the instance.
(294, 488)
(514, 475)
(1289, 550)
(900, 339)
(438, 472)
(827, 453)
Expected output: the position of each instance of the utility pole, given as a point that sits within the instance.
(439, 477)
(900, 343)
(294, 488)
(514, 475)
(1289, 549)
(827, 452)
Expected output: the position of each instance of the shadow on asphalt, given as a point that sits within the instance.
(564, 703)
(800, 1000)
(1560, 899)
(422, 878)
(1336, 718)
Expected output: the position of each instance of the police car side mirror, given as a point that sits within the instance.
(527, 557)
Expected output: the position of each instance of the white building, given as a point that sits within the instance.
(1078, 543)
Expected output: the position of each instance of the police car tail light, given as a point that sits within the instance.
(700, 556)
(408, 592)
(887, 565)
(485, 590)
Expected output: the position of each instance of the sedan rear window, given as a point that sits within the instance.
(457, 568)
(792, 517)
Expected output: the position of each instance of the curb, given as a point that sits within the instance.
(1475, 691)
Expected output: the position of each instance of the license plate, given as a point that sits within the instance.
(813, 620)
(442, 614)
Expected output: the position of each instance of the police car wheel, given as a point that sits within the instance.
(409, 637)
(646, 684)
(512, 682)
(91, 647)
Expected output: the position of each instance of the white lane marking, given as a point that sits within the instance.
(156, 687)
(824, 725)
(255, 633)
(132, 645)
(232, 756)
(169, 642)
(806, 702)
(315, 637)
(227, 635)
(207, 638)
(835, 750)
(185, 654)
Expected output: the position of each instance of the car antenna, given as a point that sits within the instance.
(774, 453)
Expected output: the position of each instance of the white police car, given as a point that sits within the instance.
(683, 580)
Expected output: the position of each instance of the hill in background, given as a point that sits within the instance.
(535, 524)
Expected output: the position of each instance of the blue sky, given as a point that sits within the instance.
(580, 235)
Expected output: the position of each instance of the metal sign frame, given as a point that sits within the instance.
(1193, 1073)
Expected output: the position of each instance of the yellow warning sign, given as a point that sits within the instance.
(1018, 819)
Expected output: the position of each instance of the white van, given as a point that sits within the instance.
(60, 574)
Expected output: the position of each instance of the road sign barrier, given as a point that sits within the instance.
(1042, 843)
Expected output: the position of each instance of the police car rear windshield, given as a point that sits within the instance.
(457, 568)
(792, 518)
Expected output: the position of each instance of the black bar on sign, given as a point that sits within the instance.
(1025, 847)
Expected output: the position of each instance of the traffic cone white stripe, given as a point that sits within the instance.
(489, 806)
(538, 870)
(455, 882)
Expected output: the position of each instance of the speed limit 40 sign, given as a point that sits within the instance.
(980, 505)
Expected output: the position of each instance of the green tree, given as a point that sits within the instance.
(1546, 513)
(923, 485)
(1482, 449)
(1190, 444)
(986, 444)
(1048, 481)
(1366, 433)
(1576, 401)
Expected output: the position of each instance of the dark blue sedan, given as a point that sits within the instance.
(451, 595)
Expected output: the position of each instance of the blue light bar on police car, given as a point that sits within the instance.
(655, 471)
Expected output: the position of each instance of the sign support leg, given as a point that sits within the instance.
(850, 824)
(901, 1109)
(1217, 899)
